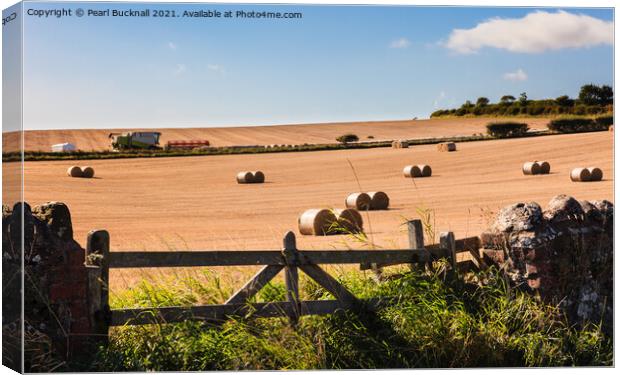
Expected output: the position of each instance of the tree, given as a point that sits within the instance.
(589, 94)
(507, 99)
(606, 95)
(467, 104)
(482, 101)
(564, 101)
(523, 99)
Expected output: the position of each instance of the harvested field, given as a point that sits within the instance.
(164, 204)
(97, 139)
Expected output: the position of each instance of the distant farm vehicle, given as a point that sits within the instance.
(135, 141)
(63, 147)
(187, 145)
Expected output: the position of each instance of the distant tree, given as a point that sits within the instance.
(589, 94)
(482, 101)
(507, 99)
(564, 101)
(606, 95)
(467, 104)
(523, 99)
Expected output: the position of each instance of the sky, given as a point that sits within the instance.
(337, 63)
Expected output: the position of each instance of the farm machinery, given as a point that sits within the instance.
(150, 141)
(135, 141)
(186, 145)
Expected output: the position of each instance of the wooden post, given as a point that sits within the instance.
(416, 236)
(97, 257)
(291, 275)
(448, 245)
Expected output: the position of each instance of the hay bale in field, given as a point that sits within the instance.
(245, 177)
(316, 222)
(258, 177)
(349, 221)
(425, 170)
(531, 168)
(88, 172)
(596, 174)
(545, 167)
(359, 201)
(446, 147)
(580, 175)
(74, 171)
(611, 128)
(379, 200)
(412, 171)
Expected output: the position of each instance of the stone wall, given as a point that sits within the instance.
(56, 308)
(564, 253)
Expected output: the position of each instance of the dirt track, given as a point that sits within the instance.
(97, 139)
(195, 203)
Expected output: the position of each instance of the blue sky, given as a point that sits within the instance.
(338, 63)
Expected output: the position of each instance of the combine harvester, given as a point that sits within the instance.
(135, 141)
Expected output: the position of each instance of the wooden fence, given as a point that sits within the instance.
(290, 260)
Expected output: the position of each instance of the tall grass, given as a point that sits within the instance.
(432, 323)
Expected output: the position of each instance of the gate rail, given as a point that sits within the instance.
(290, 260)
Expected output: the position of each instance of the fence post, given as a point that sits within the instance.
(448, 244)
(291, 275)
(97, 262)
(416, 236)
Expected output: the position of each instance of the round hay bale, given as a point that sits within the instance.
(349, 221)
(359, 201)
(545, 167)
(258, 177)
(611, 128)
(74, 171)
(596, 174)
(379, 200)
(425, 170)
(395, 144)
(316, 222)
(412, 171)
(580, 175)
(88, 172)
(245, 177)
(531, 168)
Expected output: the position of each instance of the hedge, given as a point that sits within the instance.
(506, 129)
(346, 138)
(605, 120)
(579, 124)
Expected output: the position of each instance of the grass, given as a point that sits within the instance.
(433, 323)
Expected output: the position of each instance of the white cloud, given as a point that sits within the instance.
(172, 45)
(400, 43)
(519, 75)
(534, 33)
(217, 68)
(180, 69)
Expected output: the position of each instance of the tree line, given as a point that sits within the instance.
(592, 100)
